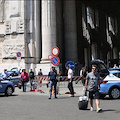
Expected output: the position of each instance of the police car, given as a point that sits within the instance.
(6, 87)
(110, 84)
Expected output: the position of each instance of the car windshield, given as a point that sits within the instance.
(14, 69)
(102, 67)
(117, 75)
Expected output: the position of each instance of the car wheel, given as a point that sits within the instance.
(114, 93)
(9, 91)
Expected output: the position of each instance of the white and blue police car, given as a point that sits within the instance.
(110, 84)
(6, 87)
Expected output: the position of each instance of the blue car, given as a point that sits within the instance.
(6, 87)
(15, 80)
(16, 70)
(110, 84)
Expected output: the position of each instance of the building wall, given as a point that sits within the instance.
(11, 32)
(82, 30)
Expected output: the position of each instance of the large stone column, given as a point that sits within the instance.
(37, 30)
(48, 28)
(70, 32)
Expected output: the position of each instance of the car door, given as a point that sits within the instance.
(102, 68)
(15, 79)
(2, 86)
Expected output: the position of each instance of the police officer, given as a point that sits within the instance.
(53, 81)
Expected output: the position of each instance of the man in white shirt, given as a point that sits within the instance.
(70, 80)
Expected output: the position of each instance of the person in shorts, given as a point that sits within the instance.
(92, 85)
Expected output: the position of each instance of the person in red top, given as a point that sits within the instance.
(24, 78)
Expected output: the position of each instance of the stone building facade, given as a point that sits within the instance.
(83, 30)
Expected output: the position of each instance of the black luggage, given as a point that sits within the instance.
(83, 102)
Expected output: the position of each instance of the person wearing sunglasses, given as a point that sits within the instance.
(92, 85)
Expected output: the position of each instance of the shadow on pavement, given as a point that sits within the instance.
(107, 98)
(107, 110)
(8, 96)
(64, 97)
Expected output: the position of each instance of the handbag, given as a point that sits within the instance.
(27, 80)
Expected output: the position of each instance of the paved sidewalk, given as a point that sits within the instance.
(62, 90)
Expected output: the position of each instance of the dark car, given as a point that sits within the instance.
(12, 73)
(16, 70)
(14, 77)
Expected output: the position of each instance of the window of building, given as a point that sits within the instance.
(84, 26)
(84, 23)
(92, 17)
(112, 25)
(20, 26)
(96, 19)
(116, 26)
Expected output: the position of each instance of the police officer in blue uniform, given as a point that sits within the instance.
(53, 81)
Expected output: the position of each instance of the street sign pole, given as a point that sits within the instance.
(18, 59)
(18, 63)
(18, 54)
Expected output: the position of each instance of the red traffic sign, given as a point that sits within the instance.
(18, 54)
(55, 51)
(55, 60)
(50, 57)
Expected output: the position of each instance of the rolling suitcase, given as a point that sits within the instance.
(83, 102)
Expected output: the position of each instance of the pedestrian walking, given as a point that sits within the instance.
(39, 78)
(31, 77)
(53, 81)
(92, 85)
(40, 72)
(83, 74)
(70, 80)
(24, 78)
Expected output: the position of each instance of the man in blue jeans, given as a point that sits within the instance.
(53, 82)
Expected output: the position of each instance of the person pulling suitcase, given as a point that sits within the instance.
(92, 83)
